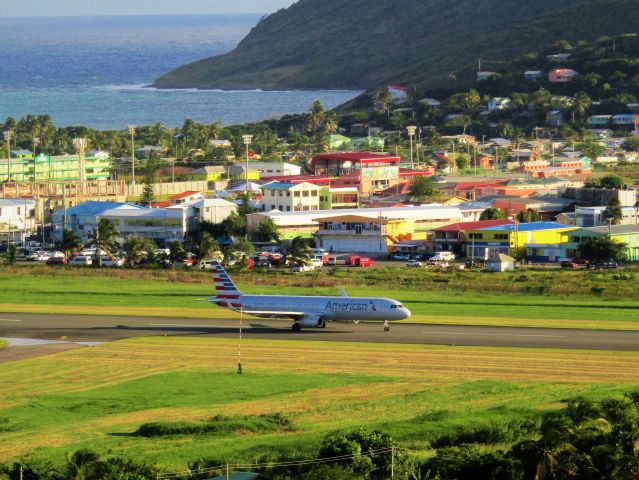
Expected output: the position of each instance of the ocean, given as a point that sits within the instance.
(93, 71)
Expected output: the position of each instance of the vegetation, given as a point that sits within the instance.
(522, 298)
(491, 214)
(421, 188)
(282, 50)
(103, 238)
(603, 248)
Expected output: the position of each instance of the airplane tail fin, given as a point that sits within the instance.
(224, 286)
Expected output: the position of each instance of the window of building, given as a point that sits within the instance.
(272, 207)
(305, 193)
(501, 236)
(296, 194)
(475, 236)
(314, 193)
(288, 208)
(288, 194)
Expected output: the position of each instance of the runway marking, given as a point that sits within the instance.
(495, 334)
(9, 320)
(180, 325)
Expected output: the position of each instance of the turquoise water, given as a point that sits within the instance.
(93, 71)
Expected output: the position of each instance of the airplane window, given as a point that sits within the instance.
(399, 306)
(393, 306)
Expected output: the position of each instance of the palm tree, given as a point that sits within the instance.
(581, 104)
(70, 241)
(103, 237)
(83, 465)
(299, 252)
(207, 246)
(138, 250)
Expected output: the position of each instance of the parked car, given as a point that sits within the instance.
(569, 264)
(302, 268)
(581, 261)
(34, 254)
(57, 254)
(57, 261)
(331, 261)
(443, 256)
(112, 262)
(607, 264)
(42, 257)
(317, 262)
(319, 251)
(81, 260)
(350, 260)
(364, 262)
(413, 263)
(399, 256)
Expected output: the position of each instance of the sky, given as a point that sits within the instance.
(47, 8)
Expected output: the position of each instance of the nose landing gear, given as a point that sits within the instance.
(386, 326)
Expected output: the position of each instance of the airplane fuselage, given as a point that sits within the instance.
(335, 309)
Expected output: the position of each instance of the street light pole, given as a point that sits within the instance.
(411, 133)
(7, 134)
(247, 139)
(132, 133)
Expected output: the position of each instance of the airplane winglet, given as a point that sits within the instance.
(344, 294)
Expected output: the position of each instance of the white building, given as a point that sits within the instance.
(160, 224)
(270, 169)
(213, 210)
(498, 103)
(17, 218)
(290, 197)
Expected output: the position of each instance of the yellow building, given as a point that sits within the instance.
(537, 241)
(209, 173)
(361, 234)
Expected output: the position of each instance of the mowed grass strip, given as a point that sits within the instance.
(185, 296)
(97, 397)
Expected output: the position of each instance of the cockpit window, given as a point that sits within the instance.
(393, 306)
(399, 306)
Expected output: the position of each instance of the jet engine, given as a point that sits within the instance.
(311, 322)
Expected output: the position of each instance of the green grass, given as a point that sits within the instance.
(537, 299)
(3, 343)
(290, 396)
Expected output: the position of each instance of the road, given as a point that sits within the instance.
(86, 328)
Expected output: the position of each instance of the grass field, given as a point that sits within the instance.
(182, 294)
(98, 397)
(3, 343)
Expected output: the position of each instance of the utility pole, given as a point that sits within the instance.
(392, 462)
(7, 134)
(247, 139)
(411, 134)
(132, 133)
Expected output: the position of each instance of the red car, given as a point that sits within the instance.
(364, 262)
(351, 260)
(57, 261)
(569, 264)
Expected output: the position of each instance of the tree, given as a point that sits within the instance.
(581, 104)
(385, 100)
(70, 241)
(233, 226)
(148, 195)
(613, 212)
(603, 248)
(491, 214)
(207, 246)
(12, 252)
(103, 238)
(421, 187)
(267, 231)
(243, 246)
(528, 215)
(177, 252)
(83, 465)
(462, 161)
(139, 250)
(631, 144)
(299, 253)
(611, 181)
(245, 208)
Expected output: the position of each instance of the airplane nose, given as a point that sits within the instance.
(404, 313)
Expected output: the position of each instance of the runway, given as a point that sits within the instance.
(87, 328)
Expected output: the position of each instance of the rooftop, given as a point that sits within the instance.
(615, 229)
(462, 227)
(530, 227)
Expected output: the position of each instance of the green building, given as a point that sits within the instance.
(45, 168)
(628, 234)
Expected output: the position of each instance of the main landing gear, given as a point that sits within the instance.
(296, 327)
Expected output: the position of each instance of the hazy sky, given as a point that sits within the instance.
(21, 8)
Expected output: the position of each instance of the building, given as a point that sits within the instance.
(628, 234)
(370, 172)
(163, 225)
(601, 196)
(547, 207)
(212, 210)
(336, 198)
(209, 173)
(220, 143)
(62, 168)
(452, 238)
(270, 169)
(538, 241)
(533, 75)
(496, 104)
(81, 218)
(238, 172)
(499, 262)
(562, 75)
(147, 150)
(17, 219)
(399, 94)
(554, 118)
(558, 58)
(363, 234)
(595, 216)
(599, 120)
(290, 197)
(306, 224)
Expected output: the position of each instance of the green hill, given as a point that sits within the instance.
(362, 44)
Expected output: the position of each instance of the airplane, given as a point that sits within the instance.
(307, 312)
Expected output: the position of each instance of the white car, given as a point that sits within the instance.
(303, 268)
(42, 256)
(317, 262)
(35, 254)
(112, 262)
(443, 256)
(81, 260)
(413, 263)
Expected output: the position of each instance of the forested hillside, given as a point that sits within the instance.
(362, 44)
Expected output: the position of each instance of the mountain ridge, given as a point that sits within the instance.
(329, 44)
